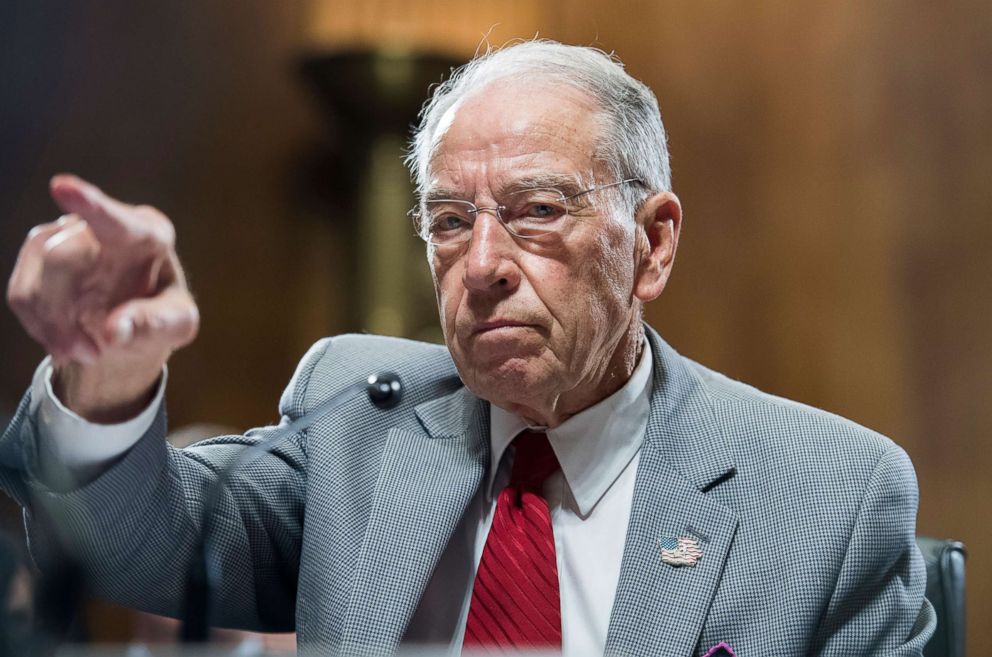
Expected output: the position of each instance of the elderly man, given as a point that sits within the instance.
(557, 477)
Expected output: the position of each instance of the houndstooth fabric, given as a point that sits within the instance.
(805, 520)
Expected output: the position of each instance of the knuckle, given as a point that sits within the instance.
(19, 295)
(41, 232)
(160, 228)
(194, 320)
(168, 232)
(18, 300)
(45, 230)
(189, 330)
(38, 230)
(62, 252)
(185, 325)
(148, 212)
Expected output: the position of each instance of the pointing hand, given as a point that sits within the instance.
(101, 289)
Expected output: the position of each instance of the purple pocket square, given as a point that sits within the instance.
(720, 650)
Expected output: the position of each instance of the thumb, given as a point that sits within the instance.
(169, 320)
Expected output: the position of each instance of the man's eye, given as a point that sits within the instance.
(543, 211)
(448, 222)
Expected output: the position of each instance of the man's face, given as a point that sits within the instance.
(533, 325)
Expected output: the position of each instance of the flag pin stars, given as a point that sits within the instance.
(680, 551)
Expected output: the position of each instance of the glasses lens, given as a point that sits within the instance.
(533, 212)
(448, 222)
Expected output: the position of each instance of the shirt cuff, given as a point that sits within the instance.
(80, 445)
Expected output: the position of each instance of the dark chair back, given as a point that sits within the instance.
(945, 591)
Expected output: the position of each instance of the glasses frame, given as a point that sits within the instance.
(498, 210)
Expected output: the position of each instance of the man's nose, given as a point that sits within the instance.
(489, 262)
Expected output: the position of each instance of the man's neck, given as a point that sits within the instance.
(600, 384)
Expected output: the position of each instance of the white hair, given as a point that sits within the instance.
(631, 144)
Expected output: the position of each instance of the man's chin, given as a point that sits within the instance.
(500, 377)
(498, 348)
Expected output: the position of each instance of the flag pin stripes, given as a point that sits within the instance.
(680, 551)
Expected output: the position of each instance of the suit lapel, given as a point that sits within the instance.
(425, 482)
(660, 609)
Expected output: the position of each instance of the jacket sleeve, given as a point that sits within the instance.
(878, 605)
(133, 529)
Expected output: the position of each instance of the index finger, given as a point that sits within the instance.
(111, 220)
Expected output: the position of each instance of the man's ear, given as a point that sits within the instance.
(659, 220)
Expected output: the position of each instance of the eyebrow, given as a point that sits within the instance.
(567, 184)
(442, 193)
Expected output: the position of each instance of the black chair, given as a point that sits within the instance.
(945, 591)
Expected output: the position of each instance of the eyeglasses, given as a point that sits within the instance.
(528, 213)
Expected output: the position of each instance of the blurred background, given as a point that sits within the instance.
(833, 160)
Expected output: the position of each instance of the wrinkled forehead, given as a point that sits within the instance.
(515, 133)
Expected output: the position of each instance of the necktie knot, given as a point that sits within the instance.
(534, 460)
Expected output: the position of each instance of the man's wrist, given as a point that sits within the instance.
(79, 444)
(104, 397)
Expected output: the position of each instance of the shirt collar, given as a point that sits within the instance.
(593, 446)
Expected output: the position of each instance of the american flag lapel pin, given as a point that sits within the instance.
(682, 550)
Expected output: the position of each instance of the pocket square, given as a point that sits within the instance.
(720, 650)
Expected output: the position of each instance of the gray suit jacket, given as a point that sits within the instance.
(807, 520)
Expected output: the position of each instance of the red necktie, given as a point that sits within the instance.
(515, 601)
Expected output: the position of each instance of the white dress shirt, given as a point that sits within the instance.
(589, 498)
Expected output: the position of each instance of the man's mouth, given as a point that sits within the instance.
(497, 325)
